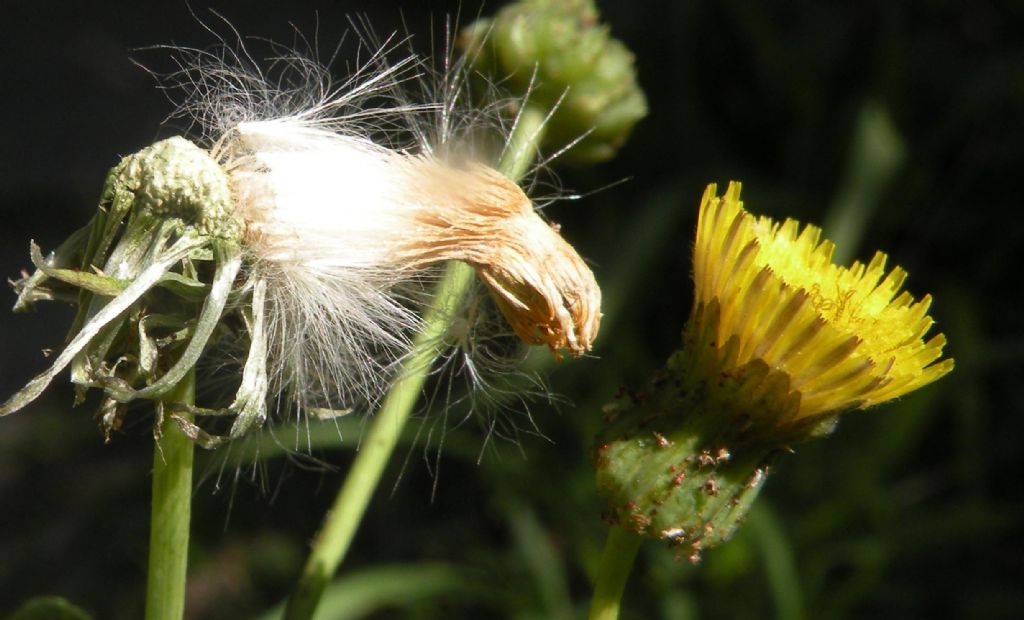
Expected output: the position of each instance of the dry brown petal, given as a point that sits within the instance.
(542, 286)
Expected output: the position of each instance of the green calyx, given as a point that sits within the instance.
(556, 53)
(683, 459)
(670, 470)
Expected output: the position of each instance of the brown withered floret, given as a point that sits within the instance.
(542, 286)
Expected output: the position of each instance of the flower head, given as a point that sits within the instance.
(779, 342)
(768, 293)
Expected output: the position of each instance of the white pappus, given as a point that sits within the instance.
(317, 216)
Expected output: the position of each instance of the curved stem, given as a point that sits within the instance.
(616, 565)
(171, 511)
(341, 522)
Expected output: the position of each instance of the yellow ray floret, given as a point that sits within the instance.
(768, 293)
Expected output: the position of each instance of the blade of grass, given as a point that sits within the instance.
(876, 154)
(389, 588)
(779, 566)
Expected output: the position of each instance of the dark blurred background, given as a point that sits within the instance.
(900, 126)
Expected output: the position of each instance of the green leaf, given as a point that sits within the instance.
(389, 587)
(49, 608)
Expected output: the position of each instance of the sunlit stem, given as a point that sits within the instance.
(171, 509)
(524, 144)
(341, 522)
(613, 572)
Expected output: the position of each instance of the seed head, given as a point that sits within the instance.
(303, 236)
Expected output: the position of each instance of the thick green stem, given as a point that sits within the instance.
(341, 522)
(171, 512)
(616, 565)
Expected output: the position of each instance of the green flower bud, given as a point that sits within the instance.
(573, 63)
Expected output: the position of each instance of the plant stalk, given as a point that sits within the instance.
(171, 513)
(613, 572)
(340, 523)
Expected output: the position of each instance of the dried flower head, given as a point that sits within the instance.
(779, 342)
(307, 230)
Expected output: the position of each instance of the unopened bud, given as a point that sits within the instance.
(558, 55)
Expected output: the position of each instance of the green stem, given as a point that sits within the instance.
(341, 522)
(616, 565)
(524, 143)
(171, 512)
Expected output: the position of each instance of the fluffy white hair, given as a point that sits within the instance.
(323, 172)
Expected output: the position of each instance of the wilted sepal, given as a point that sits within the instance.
(137, 273)
(557, 54)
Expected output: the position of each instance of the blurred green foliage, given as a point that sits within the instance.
(910, 510)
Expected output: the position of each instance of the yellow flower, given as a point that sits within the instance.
(768, 294)
(779, 343)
